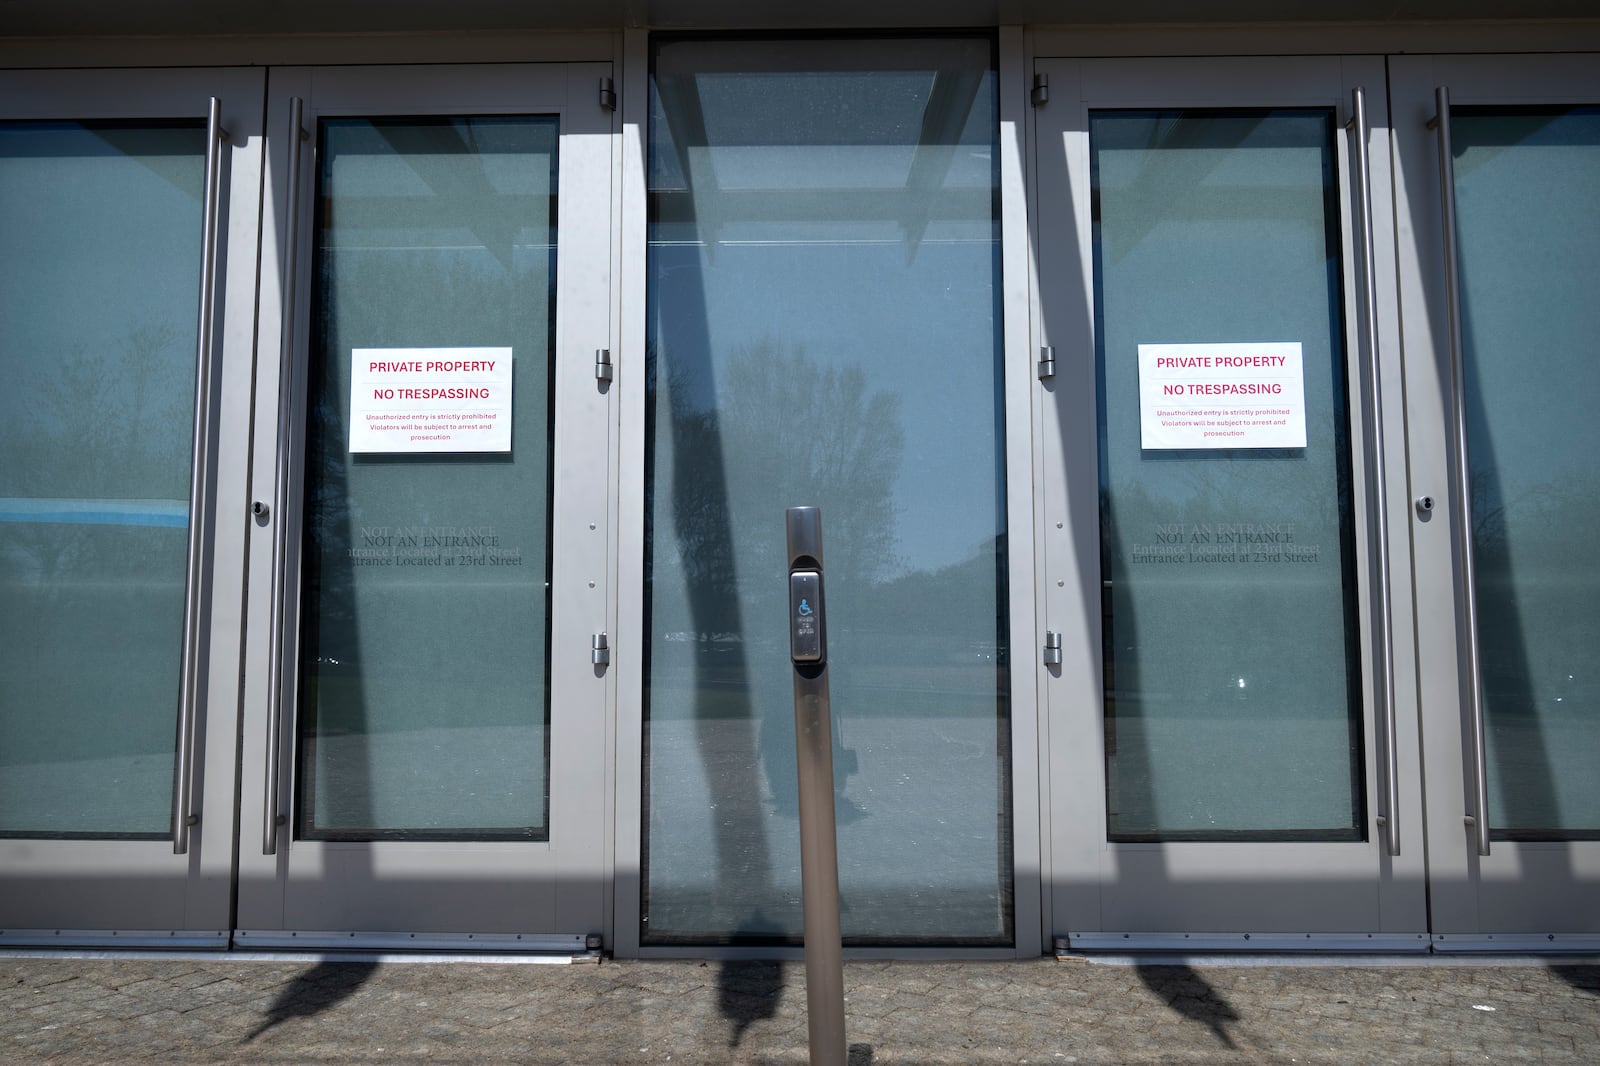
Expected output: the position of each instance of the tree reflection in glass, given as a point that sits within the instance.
(824, 331)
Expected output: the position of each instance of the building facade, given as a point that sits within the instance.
(398, 417)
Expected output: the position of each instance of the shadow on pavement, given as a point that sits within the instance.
(325, 985)
(748, 992)
(1583, 978)
(1191, 995)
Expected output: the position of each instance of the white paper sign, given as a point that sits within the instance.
(430, 400)
(1221, 396)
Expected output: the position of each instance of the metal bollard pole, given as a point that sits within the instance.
(819, 845)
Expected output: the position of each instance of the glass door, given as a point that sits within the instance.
(1500, 165)
(426, 724)
(128, 223)
(1228, 766)
(824, 328)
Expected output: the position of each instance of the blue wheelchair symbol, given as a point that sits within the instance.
(805, 608)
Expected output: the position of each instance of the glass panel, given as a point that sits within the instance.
(100, 281)
(1232, 681)
(1528, 219)
(424, 694)
(824, 329)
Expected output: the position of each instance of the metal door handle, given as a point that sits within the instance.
(272, 818)
(1440, 124)
(1384, 676)
(184, 816)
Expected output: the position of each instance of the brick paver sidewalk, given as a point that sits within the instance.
(1039, 1011)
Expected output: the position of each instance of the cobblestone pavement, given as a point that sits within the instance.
(1038, 1011)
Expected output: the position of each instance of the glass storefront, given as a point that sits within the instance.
(1202, 443)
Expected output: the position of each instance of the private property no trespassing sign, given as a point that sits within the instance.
(430, 400)
(1212, 396)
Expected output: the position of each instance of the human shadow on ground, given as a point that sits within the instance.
(750, 992)
(747, 993)
(1191, 995)
(320, 988)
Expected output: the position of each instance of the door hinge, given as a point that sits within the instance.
(608, 95)
(602, 364)
(1047, 363)
(1052, 648)
(600, 650)
(1041, 90)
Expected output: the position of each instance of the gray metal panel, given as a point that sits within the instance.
(1276, 887)
(280, 46)
(452, 888)
(1520, 888)
(581, 765)
(105, 17)
(1017, 280)
(86, 884)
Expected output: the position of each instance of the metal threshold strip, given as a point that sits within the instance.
(1316, 943)
(1271, 949)
(115, 939)
(285, 946)
(383, 957)
(560, 944)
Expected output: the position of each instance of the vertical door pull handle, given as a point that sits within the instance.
(1470, 675)
(1378, 498)
(184, 815)
(272, 816)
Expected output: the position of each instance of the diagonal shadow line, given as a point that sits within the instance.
(321, 988)
(1190, 994)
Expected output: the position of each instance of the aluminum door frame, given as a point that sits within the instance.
(1192, 895)
(140, 893)
(507, 895)
(1522, 895)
